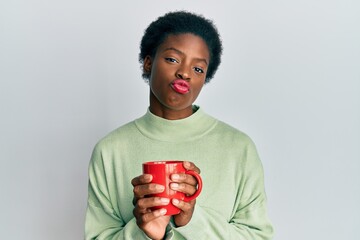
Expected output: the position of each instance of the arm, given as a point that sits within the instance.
(249, 220)
(102, 220)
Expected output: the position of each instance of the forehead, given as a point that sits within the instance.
(187, 43)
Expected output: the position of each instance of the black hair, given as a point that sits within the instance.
(181, 22)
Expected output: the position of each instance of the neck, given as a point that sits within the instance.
(162, 111)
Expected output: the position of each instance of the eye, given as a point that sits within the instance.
(169, 59)
(199, 70)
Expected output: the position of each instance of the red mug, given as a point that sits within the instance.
(161, 172)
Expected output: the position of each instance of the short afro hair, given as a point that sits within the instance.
(182, 22)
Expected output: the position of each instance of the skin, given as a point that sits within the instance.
(186, 57)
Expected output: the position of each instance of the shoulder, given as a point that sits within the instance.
(228, 132)
(117, 137)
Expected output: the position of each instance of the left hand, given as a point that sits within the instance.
(187, 184)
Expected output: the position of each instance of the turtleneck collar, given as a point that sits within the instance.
(190, 128)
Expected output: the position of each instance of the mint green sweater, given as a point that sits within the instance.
(232, 204)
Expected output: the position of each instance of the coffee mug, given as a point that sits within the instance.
(161, 172)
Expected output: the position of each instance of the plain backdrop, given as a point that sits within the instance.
(289, 78)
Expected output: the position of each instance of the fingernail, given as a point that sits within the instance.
(175, 201)
(175, 177)
(147, 177)
(186, 164)
(174, 185)
(160, 187)
(165, 201)
(163, 211)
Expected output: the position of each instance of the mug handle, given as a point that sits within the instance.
(199, 185)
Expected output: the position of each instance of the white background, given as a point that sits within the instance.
(290, 78)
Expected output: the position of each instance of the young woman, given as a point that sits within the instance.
(180, 52)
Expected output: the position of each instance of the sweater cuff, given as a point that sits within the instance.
(172, 233)
(169, 234)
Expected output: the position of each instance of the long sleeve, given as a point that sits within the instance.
(232, 204)
(102, 221)
(210, 224)
(249, 221)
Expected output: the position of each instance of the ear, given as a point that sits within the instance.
(147, 64)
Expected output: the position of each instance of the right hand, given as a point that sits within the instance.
(152, 223)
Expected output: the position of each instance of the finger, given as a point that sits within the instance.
(143, 205)
(184, 178)
(185, 207)
(184, 188)
(148, 217)
(191, 166)
(141, 190)
(142, 179)
(187, 210)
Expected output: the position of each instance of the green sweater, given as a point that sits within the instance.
(232, 204)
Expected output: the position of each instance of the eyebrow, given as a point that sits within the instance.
(181, 53)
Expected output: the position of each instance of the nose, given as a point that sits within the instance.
(183, 73)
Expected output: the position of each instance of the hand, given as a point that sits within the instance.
(152, 223)
(187, 184)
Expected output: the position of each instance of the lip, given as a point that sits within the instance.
(180, 86)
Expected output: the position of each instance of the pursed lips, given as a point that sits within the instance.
(180, 86)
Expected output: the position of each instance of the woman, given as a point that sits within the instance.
(180, 52)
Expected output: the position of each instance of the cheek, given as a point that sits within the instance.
(197, 88)
(200, 83)
(157, 86)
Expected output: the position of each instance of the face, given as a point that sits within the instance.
(177, 73)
